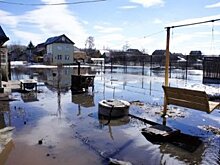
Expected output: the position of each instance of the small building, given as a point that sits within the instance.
(39, 52)
(158, 56)
(79, 55)
(133, 52)
(195, 53)
(59, 50)
(159, 52)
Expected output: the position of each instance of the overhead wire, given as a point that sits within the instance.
(51, 4)
(146, 36)
(152, 34)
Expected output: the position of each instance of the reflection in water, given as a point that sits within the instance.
(29, 96)
(85, 100)
(184, 147)
(2, 121)
(4, 110)
(103, 120)
(59, 109)
(9, 145)
(62, 76)
(6, 143)
(79, 110)
(180, 154)
(122, 131)
(113, 122)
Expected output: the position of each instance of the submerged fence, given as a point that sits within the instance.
(147, 64)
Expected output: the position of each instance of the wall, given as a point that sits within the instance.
(62, 53)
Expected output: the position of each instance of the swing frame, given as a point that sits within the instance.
(166, 88)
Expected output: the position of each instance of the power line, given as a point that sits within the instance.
(152, 34)
(51, 4)
(146, 36)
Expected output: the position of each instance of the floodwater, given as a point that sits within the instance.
(53, 126)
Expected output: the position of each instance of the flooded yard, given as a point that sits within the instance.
(55, 126)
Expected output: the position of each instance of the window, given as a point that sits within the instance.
(66, 71)
(67, 57)
(59, 57)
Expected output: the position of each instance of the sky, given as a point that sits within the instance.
(138, 24)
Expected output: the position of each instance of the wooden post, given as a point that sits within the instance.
(104, 66)
(78, 68)
(151, 64)
(9, 69)
(143, 67)
(167, 67)
(111, 64)
(187, 58)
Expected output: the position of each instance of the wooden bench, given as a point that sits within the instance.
(188, 98)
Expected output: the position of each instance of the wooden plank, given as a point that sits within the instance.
(188, 91)
(186, 96)
(189, 98)
(213, 105)
(188, 104)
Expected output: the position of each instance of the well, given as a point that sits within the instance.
(114, 108)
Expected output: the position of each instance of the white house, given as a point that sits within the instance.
(59, 50)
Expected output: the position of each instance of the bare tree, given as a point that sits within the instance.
(15, 50)
(126, 46)
(90, 42)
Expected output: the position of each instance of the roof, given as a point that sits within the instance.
(76, 49)
(195, 52)
(3, 37)
(40, 45)
(59, 39)
(159, 52)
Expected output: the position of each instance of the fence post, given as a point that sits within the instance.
(187, 58)
(111, 64)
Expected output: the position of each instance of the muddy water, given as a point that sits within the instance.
(53, 126)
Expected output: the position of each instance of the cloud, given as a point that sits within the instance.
(8, 19)
(102, 29)
(205, 34)
(29, 36)
(46, 21)
(127, 7)
(216, 5)
(181, 38)
(114, 41)
(149, 3)
(157, 21)
(198, 40)
(140, 43)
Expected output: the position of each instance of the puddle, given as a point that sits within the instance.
(55, 126)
